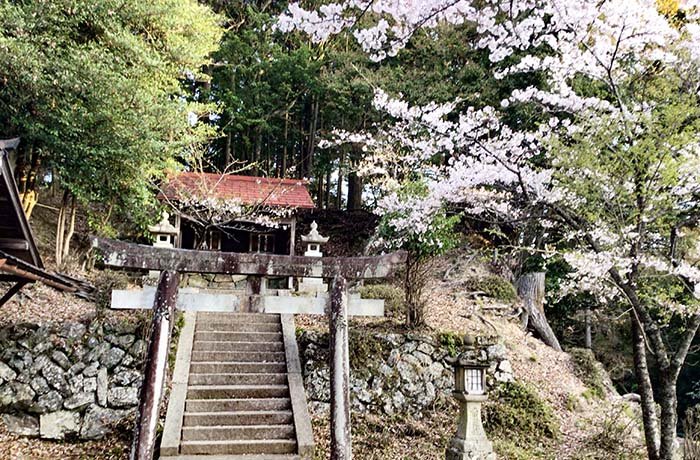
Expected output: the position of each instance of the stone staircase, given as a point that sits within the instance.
(242, 396)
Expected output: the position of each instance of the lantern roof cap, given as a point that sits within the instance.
(314, 236)
(164, 227)
(467, 361)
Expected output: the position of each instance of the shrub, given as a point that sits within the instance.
(492, 286)
(393, 297)
(587, 369)
(611, 438)
(516, 412)
(450, 341)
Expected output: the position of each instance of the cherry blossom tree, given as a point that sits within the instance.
(613, 164)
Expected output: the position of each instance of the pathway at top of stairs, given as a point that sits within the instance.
(238, 403)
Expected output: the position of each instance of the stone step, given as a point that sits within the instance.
(275, 446)
(238, 379)
(254, 356)
(237, 433)
(232, 457)
(238, 336)
(218, 316)
(237, 391)
(238, 418)
(238, 327)
(234, 367)
(214, 345)
(231, 405)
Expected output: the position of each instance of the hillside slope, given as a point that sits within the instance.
(561, 406)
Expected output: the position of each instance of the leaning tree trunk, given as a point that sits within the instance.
(531, 291)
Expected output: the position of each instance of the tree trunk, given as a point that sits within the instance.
(258, 148)
(641, 370)
(531, 291)
(327, 198)
(319, 191)
(340, 180)
(414, 282)
(61, 229)
(588, 338)
(228, 159)
(285, 147)
(354, 191)
(65, 249)
(669, 418)
(311, 147)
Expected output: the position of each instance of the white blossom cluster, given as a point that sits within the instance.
(208, 210)
(609, 42)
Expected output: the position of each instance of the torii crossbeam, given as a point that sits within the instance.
(121, 255)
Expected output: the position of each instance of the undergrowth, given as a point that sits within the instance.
(586, 368)
(393, 297)
(516, 415)
(610, 438)
(492, 286)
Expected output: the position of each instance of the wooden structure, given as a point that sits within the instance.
(122, 255)
(257, 193)
(20, 262)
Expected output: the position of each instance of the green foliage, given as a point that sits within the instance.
(439, 238)
(516, 412)
(95, 90)
(572, 403)
(587, 369)
(493, 286)
(451, 341)
(393, 297)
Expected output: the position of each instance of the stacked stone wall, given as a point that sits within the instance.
(70, 380)
(392, 373)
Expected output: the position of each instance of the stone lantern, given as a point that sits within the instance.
(470, 441)
(313, 241)
(164, 232)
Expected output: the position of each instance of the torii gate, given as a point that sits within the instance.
(172, 262)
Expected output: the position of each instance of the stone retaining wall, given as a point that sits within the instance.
(391, 373)
(69, 380)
